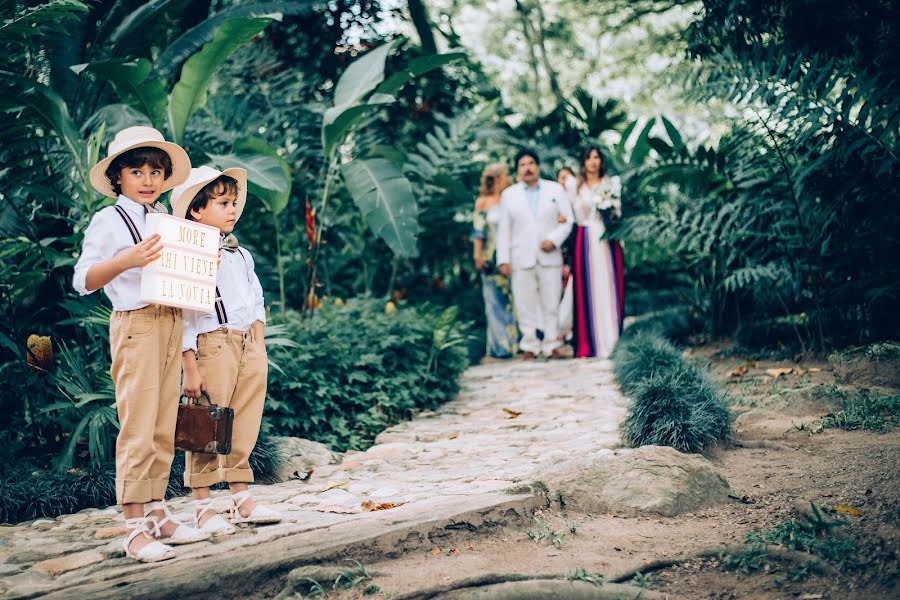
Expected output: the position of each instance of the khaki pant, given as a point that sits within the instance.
(234, 369)
(146, 370)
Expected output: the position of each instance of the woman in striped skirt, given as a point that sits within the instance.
(597, 263)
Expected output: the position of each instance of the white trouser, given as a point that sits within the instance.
(536, 294)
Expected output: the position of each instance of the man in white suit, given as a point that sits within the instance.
(535, 220)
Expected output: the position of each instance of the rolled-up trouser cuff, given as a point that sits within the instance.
(131, 491)
(209, 478)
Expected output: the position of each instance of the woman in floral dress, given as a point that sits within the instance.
(599, 282)
(502, 334)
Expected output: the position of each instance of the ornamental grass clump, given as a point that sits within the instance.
(673, 402)
(643, 356)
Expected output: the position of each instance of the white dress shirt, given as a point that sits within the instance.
(105, 237)
(522, 229)
(242, 296)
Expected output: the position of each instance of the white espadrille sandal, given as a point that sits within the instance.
(152, 552)
(184, 534)
(216, 524)
(260, 515)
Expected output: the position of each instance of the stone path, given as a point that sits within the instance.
(465, 465)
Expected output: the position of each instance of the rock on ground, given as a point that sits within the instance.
(301, 457)
(649, 479)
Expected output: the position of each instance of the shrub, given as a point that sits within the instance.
(643, 356)
(673, 401)
(674, 323)
(358, 369)
(27, 492)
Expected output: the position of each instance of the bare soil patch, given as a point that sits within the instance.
(780, 456)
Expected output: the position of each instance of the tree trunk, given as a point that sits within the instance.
(528, 31)
(419, 15)
(551, 74)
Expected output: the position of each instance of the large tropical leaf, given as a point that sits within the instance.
(276, 200)
(673, 132)
(49, 15)
(264, 173)
(136, 20)
(189, 93)
(49, 109)
(192, 40)
(340, 120)
(415, 68)
(642, 145)
(362, 76)
(385, 198)
(129, 78)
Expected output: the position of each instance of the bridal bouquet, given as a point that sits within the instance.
(607, 197)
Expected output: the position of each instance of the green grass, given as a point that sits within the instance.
(541, 532)
(816, 535)
(582, 574)
(674, 403)
(642, 356)
(864, 410)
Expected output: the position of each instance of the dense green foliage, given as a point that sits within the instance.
(674, 403)
(357, 370)
(29, 492)
(767, 211)
(214, 78)
(792, 220)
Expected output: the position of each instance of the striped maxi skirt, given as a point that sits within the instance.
(599, 292)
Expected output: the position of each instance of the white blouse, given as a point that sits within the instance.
(242, 296)
(105, 237)
(583, 204)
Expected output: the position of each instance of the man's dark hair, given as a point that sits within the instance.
(523, 152)
(219, 186)
(135, 159)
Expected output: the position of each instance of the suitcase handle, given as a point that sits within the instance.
(203, 394)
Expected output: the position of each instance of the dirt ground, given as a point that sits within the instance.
(780, 455)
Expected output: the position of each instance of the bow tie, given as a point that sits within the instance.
(156, 207)
(228, 243)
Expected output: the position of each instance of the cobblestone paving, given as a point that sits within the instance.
(510, 421)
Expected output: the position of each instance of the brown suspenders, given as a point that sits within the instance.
(221, 315)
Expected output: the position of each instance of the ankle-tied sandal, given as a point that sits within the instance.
(152, 552)
(183, 534)
(216, 524)
(260, 515)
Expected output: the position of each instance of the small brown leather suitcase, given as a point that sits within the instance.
(203, 428)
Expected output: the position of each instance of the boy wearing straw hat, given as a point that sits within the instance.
(225, 352)
(145, 340)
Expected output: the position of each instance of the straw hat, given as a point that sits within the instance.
(141, 137)
(183, 195)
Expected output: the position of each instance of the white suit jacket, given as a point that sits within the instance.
(520, 233)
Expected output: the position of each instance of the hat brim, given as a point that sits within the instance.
(181, 204)
(181, 167)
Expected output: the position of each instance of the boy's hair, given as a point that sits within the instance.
(523, 153)
(135, 159)
(219, 186)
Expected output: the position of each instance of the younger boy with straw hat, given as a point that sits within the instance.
(225, 352)
(144, 339)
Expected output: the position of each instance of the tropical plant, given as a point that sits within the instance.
(359, 367)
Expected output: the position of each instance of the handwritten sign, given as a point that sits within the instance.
(185, 274)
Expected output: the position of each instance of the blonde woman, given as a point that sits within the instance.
(501, 321)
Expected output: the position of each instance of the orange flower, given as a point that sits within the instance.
(40, 353)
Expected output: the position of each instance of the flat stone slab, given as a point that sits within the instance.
(448, 468)
(630, 481)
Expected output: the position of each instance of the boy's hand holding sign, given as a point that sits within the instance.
(184, 275)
